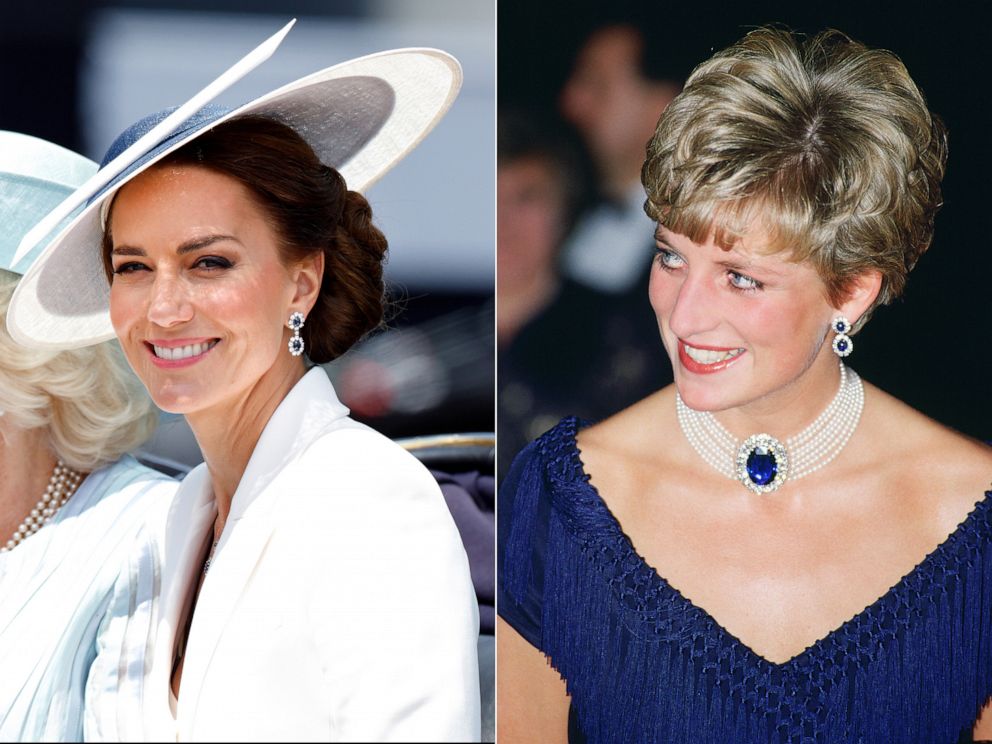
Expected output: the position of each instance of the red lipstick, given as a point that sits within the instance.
(699, 368)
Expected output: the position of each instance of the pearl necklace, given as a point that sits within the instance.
(61, 486)
(762, 463)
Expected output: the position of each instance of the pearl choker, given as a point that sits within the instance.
(762, 463)
(61, 486)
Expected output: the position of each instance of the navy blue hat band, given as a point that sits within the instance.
(201, 120)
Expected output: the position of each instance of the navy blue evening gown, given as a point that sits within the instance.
(644, 664)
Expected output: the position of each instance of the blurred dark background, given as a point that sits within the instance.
(931, 347)
(76, 72)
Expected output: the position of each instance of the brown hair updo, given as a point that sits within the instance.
(311, 209)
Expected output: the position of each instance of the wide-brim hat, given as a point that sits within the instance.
(35, 177)
(360, 117)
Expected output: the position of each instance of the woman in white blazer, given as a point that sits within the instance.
(337, 605)
(308, 582)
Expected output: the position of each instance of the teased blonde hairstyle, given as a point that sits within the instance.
(91, 404)
(826, 144)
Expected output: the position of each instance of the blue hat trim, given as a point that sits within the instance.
(199, 121)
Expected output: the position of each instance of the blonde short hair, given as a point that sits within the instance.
(90, 402)
(826, 144)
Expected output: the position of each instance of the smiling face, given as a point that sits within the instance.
(743, 328)
(200, 296)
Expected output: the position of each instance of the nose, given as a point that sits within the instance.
(695, 309)
(169, 303)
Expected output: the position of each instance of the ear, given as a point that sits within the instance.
(860, 295)
(307, 276)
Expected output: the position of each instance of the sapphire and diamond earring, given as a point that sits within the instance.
(843, 345)
(295, 323)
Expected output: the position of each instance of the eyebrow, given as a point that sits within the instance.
(189, 246)
(748, 266)
(735, 261)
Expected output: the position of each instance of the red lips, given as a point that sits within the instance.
(692, 365)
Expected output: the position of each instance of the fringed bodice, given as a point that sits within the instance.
(644, 664)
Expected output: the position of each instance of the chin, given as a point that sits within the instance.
(703, 397)
(704, 402)
(171, 405)
(177, 408)
(178, 399)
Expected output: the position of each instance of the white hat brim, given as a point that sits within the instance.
(361, 117)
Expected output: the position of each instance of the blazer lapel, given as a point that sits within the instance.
(190, 518)
(303, 415)
(234, 560)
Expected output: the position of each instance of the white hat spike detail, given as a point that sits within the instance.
(110, 171)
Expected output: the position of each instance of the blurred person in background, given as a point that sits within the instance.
(537, 194)
(619, 86)
(563, 347)
(308, 581)
(71, 499)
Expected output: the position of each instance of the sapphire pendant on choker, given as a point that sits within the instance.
(762, 463)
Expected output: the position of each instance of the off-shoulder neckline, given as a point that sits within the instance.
(612, 530)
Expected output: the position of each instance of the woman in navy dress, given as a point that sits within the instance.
(770, 549)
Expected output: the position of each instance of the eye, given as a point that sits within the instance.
(212, 263)
(130, 267)
(743, 282)
(669, 260)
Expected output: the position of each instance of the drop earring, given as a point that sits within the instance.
(842, 345)
(295, 323)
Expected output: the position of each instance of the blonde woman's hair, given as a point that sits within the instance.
(92, 406)
(824, 143)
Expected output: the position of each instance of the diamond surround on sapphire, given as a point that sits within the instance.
(295, 321)
(762, 463)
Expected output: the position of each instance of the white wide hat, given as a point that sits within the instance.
(360, 117)
(35, 176)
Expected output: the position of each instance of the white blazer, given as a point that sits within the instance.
(338, 604)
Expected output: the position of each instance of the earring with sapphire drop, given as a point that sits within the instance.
(842, 345)
(295, 323)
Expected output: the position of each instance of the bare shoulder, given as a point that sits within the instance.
(632, 432)
(623, 453)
